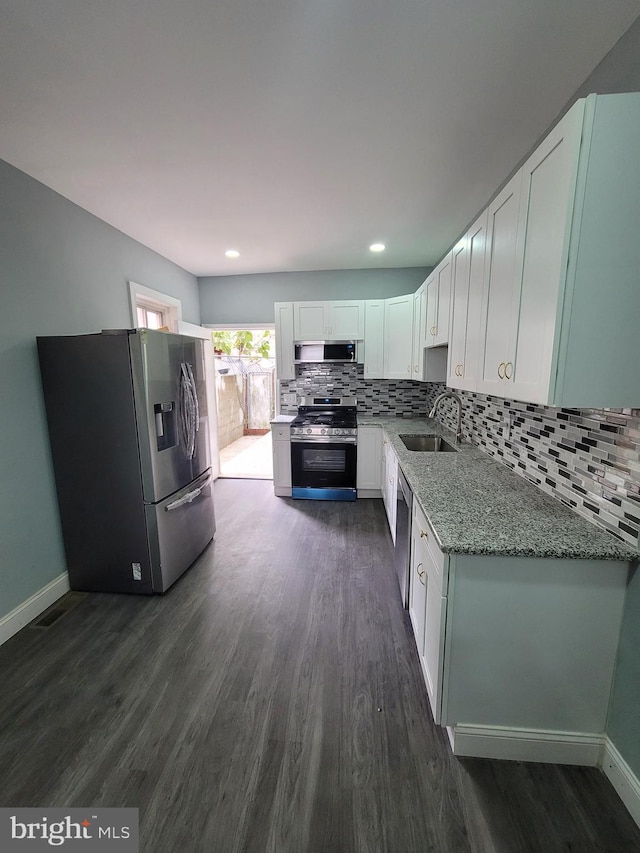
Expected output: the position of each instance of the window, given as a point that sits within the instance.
(151, 309)
(150, 318)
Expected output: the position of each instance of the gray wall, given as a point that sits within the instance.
(619, 71)
(249, 298)
(62, 271)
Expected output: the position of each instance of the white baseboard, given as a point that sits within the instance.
(33, 607)
(623, 779)
(528, 745)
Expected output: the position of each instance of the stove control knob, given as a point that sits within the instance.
(323, 432)
(308, 432)
(337, 432)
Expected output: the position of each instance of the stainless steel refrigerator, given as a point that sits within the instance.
(128, 428)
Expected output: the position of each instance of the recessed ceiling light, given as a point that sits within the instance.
(377, 247)
(232, 253)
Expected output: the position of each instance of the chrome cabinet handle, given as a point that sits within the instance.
(502, 366)
(421, 574)
(508, 365)
(423, 534)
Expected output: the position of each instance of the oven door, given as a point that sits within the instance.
(323, 470)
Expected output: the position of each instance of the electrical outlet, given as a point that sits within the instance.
(505, 429)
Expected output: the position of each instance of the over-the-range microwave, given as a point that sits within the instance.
(321, 351)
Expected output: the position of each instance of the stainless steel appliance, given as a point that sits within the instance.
(128, 428)
(402, 555)
(321, 351)
(324, 449)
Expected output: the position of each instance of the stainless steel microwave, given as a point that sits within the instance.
(322, 351)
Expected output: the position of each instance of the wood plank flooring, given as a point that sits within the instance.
(272, 702)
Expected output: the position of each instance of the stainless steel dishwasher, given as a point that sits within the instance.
(404, 498)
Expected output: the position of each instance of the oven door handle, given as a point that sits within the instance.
(329, 439)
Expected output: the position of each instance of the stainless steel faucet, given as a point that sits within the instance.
(455, 397)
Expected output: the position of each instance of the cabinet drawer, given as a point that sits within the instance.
(427, 536)
(280, 433)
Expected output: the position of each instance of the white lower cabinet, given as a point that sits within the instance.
(517, 653)
(389, 471)
(281, 444)
(427, 605)
(368, 475)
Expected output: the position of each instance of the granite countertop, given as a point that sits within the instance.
(476, 505)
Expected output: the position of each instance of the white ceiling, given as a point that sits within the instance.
(297, 131)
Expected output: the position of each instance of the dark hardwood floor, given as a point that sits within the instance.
(272, 701)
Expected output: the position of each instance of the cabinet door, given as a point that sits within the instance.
(460, 306)
(281, 463)
(285, 368)
(389, 487)
(398, 325)
(549, 178)
(311, 321)
(369, 454)
(433, 646)
(502, 285)
(443, 276)
(346, 320)
(419, 320)
(374, 339)
(431, 291)
(468, 268)
(417, 585)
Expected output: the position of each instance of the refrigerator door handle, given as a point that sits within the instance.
(188, 498)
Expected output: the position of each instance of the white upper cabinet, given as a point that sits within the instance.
(561, 295)
(419, 321)
(374, 338)
(548, 189)
(285, 368)
(467, 282)
(438, 289)
(398, 337)
(346, 320)
(310, 321)
(504, 267)
(343, 320)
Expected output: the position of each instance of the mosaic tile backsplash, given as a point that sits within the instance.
(587, 458)
(375, 396)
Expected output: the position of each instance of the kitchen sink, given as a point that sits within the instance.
(427, 443)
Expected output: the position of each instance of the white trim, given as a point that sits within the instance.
(171, 305)
(623, 779)
(240, 326)
(33, 607)
(194, 331)
(583, 748)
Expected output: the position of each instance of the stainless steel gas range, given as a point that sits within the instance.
(324, 437)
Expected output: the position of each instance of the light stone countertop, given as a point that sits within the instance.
(282, 419)
(476, 505)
